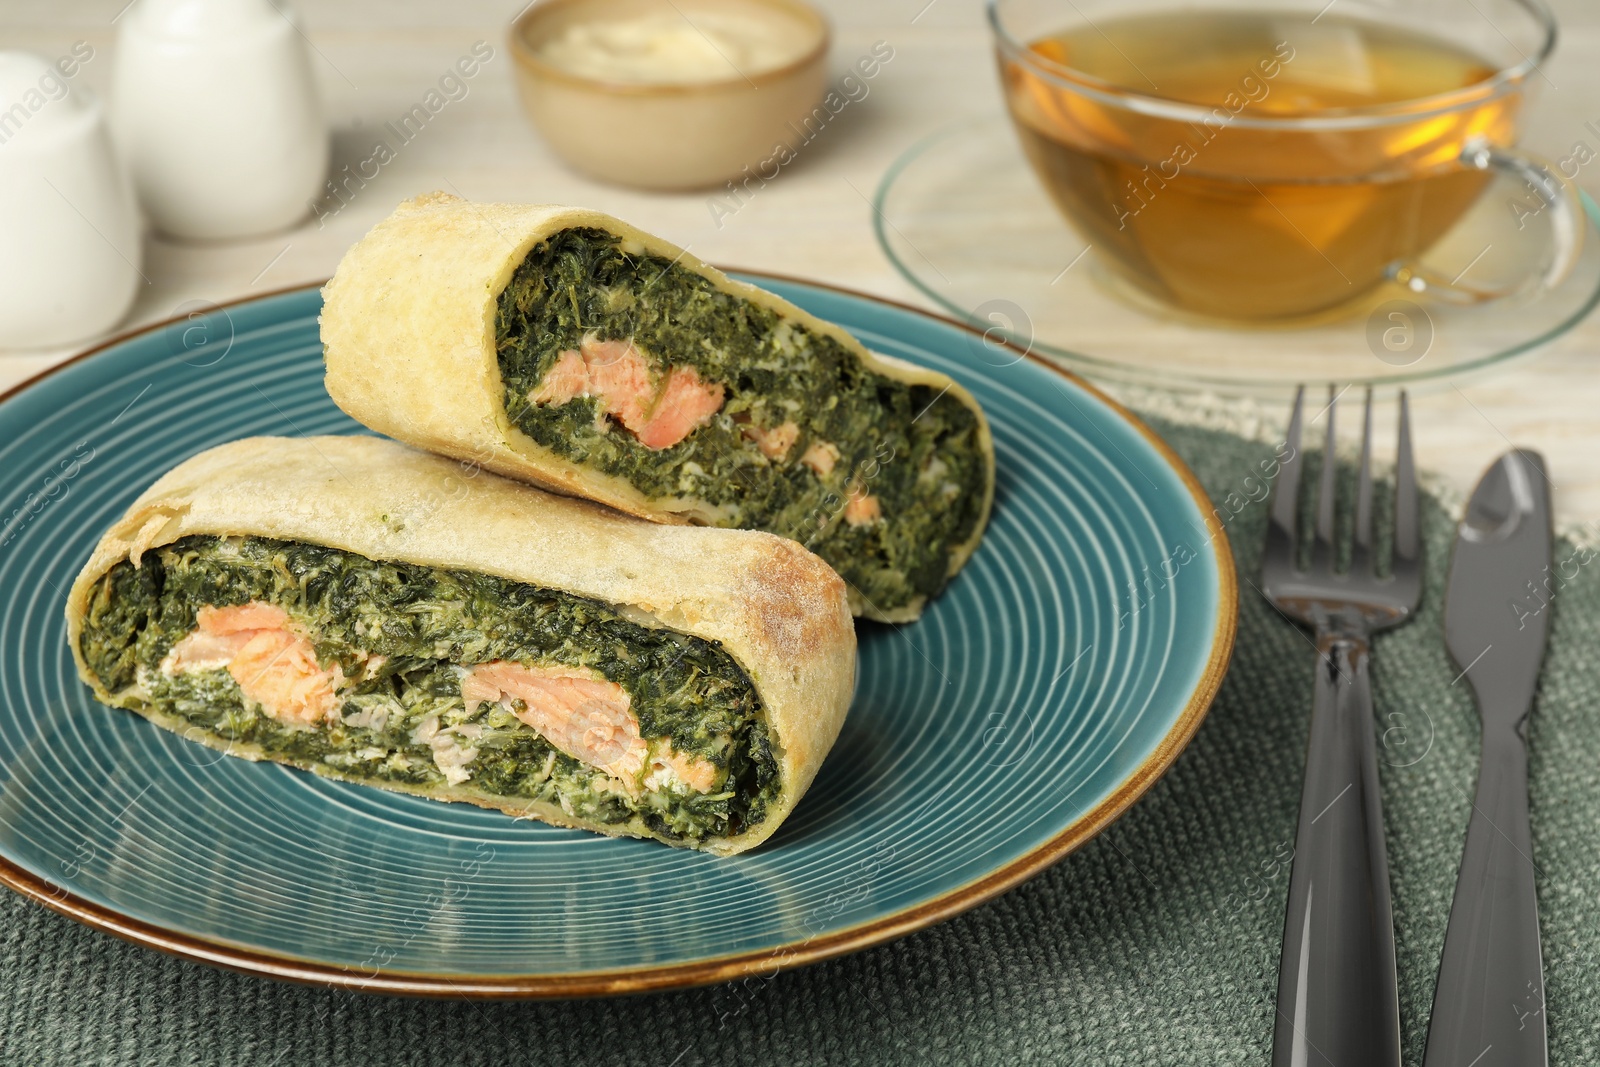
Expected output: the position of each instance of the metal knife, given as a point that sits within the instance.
(1488, 1007)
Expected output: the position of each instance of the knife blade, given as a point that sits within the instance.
(1488, 1005)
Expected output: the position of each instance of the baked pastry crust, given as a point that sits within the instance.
(408, 334)
(778, 610)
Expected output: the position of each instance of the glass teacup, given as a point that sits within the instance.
(1279, 161)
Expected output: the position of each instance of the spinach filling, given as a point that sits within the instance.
(912, 447)
(429, 623)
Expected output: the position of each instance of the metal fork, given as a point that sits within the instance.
(1337, 1000)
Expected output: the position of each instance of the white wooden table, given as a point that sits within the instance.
(376, 58)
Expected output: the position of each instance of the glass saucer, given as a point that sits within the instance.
(963, 218)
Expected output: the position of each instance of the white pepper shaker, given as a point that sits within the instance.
(216, 110)
(69, 260)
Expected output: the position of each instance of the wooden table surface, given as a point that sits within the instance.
(375, 59)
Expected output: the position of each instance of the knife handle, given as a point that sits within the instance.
(1337, 995)
(1491, 979)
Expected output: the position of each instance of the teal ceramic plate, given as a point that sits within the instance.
(1053, 682)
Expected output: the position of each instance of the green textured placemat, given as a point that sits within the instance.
(1155, 944)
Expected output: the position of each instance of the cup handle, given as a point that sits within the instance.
(1566, 217)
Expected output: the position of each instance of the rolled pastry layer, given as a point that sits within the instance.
(371, 613)
(568, 349)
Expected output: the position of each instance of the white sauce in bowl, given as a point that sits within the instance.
(675, 49)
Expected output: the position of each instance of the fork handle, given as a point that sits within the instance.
(1337, 994)
(1491, 983)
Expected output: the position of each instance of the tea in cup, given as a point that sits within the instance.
(1279, 162)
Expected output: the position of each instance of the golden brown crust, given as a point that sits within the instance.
(408, 333)
(778, 610)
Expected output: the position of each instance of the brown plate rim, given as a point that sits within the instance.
(764, 963)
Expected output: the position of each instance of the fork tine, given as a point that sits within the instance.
(1405, 492)
(1285, 502)
(1361, 549)
(1322, 551)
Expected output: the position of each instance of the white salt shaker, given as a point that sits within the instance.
(217, 113)
(69, 258)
